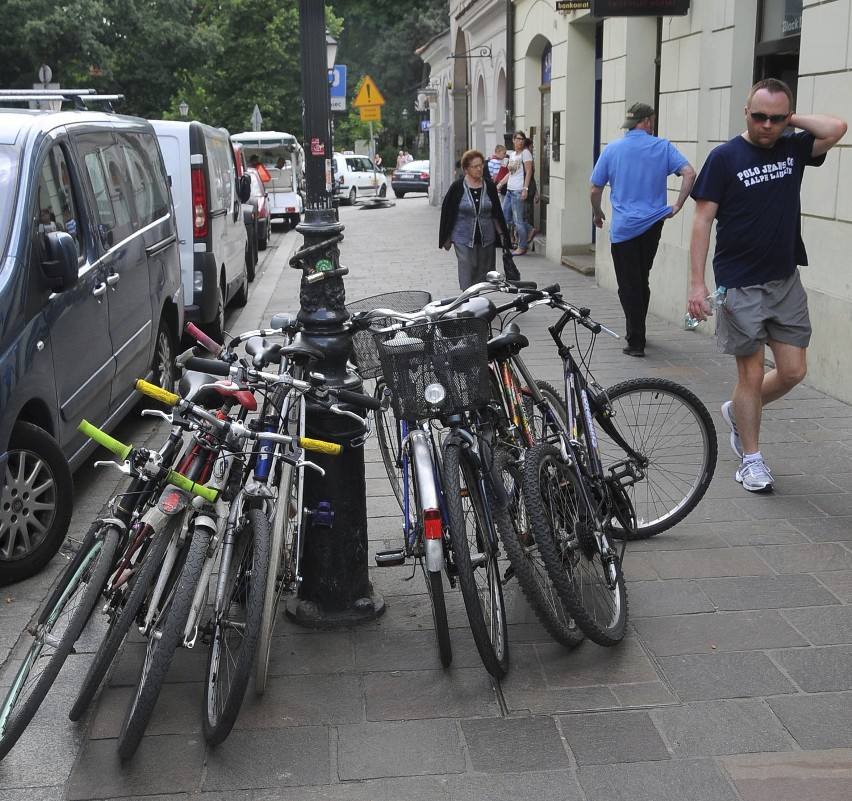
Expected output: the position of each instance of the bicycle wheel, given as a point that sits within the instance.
(435, 585)
(122, 614)
(236, 628)
(279, 578)
(163, 640)
(419, 457)
(57, 629)
(476, 561)
(581, 562)
(674, 433)
(387, 431)
(520, 542)
(541, 425)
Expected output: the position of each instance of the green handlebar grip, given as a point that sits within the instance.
(208, 493)
(93, 432)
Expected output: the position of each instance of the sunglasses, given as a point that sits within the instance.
(775, 119)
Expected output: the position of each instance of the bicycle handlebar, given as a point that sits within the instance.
(123, 451)
(202, 339)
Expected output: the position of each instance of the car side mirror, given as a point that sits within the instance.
(60, 261)
(244, 190)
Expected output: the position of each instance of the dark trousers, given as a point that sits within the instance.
(633, 260)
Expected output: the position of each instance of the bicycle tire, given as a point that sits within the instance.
(480, 582)
(236, 629)
(435, 585)
(387, 431)
(520, 542)
(123, 619)
(673, 430)
(285, 524)
(420, 452)
(161, 648)
(589, 581)
(70, 605)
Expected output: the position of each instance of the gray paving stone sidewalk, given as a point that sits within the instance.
(733, 683)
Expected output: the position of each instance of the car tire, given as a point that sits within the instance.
(165, 372)
(383, 190)
(263, 241)
(352, 197)
(37, 487)
(295, 219)
(251, 255)
(215, 329)
(398, 193)
(240, 297)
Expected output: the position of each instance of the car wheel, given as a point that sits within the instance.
(36, 503)
(251, 254)
(164, 368)
(295, 220)
(398, 193)
(215, 329)
(263, 240)
(241, 296)
(383, 190)
(353, 196)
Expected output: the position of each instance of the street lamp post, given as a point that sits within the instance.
(183, 108)
(335, 590)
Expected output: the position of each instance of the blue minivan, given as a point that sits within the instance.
(90, 299)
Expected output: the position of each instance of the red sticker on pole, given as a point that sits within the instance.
(317, 147)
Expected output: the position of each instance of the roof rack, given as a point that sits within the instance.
(79, 97)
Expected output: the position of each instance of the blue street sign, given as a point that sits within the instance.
(337, 89)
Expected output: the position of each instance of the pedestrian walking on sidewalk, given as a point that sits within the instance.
(517, 183)
(472, 221)
(751, 187)
(636, 167)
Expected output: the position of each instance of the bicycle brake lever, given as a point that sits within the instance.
(338, 410)
(306, 463)
(158, 413)
(123, 468)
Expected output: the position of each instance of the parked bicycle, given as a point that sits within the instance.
(51, 637)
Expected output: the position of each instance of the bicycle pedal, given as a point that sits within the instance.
(508, 575)
(390, 558)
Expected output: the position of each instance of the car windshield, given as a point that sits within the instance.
(8, 190)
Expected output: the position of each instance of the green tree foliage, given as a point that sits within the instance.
(379, 39)
(221, 57)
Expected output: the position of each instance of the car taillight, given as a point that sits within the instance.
(199, 203)
(424, 176)
(340, 180)
(432, 527)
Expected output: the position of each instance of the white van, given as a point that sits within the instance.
(208, 200)
(284, 159)
(357, 176)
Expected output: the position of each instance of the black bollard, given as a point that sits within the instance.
(336, 589)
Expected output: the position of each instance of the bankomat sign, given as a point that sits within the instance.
(639, 8)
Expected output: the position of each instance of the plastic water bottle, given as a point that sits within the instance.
(690, 323)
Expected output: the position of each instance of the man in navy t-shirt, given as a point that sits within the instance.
(751, 186)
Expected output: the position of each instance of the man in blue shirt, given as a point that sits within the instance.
(750, 186)
(636, 167)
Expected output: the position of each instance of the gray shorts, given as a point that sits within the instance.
(751, 315)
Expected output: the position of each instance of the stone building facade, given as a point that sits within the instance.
(567, 76)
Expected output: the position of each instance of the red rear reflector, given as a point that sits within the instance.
(432, 524)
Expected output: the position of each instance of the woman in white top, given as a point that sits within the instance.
(517, 183)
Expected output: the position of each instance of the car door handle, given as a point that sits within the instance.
(99, 290)
(113, 279)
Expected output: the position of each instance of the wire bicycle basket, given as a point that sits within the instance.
(365, 354)
(452, 353)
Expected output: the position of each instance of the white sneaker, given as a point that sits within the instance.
(755, 476)
(728, 417)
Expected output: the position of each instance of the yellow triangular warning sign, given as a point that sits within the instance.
(368, 94)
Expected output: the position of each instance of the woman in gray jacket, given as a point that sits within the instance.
(472, 221)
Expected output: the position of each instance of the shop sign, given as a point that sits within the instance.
(639, 8)
(572, 5)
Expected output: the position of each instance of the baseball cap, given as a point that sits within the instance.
(636, 113)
